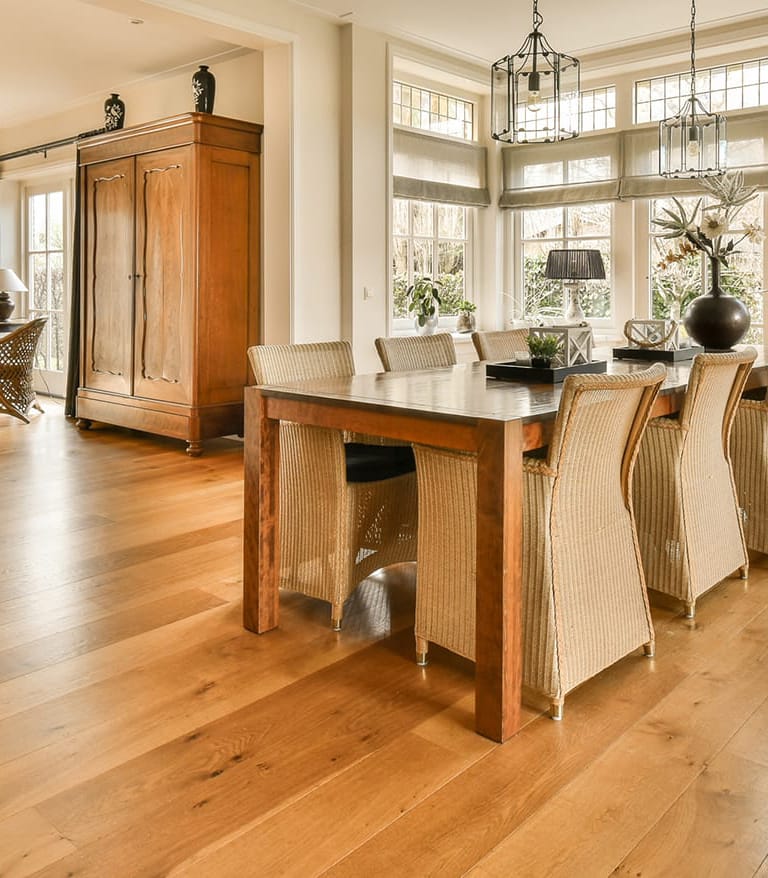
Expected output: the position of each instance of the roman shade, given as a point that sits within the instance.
(747, 152)
(620, 165)
(430, 168)
(572, 172)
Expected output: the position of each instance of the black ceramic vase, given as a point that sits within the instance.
(203, 89)
(6, 306)
(716, 320)
(114, 113)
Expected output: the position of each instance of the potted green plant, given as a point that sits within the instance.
(543, 349)
(465, 322)
(424, 303)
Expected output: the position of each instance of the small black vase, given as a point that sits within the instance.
(203, 89)
(114, 113)
(716, 320)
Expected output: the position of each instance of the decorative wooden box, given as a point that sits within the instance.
(575, 342)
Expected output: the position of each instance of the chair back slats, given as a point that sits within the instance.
(594, 409)
(600, 424)
(714, 390)
(503, 345)
(410, 353)
(279, 363)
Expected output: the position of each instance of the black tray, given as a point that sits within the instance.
(656, 355)
(518, 372)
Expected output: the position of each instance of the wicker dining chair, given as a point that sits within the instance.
(412, 352)
(749, 453)
(499, 346)
(584, 600)
(688, 518)
(17, 363)
(346, 509)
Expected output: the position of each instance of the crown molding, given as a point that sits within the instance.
(718, 38)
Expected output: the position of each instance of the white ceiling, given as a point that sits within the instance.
(58, 53)
(489, 29)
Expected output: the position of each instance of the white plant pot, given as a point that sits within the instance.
(429, 326)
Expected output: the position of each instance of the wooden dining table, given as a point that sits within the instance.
(456, 408)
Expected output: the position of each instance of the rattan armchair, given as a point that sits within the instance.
(17, 363)
(412, 352)
(749, 452)
(345, 509)
(687, 512)
(585, 604)
(499, 346)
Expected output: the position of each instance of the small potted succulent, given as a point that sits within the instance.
(543, 349)
(424, 302)
(465, 322)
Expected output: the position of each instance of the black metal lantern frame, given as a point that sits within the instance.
(692, 143)
(535, 92)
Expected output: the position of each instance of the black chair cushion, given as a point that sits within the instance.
(373, 463)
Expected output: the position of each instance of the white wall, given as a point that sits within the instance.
(366, 187)
(10, 246)
(239, 94)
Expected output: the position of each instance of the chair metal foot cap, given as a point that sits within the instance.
(649, 650)
(556, 712)
(421, 659)
(336, 624)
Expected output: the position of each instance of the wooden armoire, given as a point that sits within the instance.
(170, 275)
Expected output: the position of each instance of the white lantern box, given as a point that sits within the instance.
(575, 342)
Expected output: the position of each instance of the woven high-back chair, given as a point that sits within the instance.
(17, 363)
(584, 600)
(412, 352)
(749, 453)
(345, 509)
(503, 345)
(688, 519)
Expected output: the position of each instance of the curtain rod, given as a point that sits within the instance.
(44, 147)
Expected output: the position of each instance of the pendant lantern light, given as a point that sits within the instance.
(692, 143)
(535, 92)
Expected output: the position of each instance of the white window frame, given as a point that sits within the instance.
(405, 325)
(49, 381)
(605, 324)
(680, 81)
(644, 246)
(439, 92)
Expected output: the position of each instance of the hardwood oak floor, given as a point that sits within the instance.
(144, 732)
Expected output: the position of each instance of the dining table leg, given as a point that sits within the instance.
(261, 536)
(498, 650)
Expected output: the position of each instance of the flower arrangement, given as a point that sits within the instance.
(706, 228)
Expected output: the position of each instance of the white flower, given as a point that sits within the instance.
(714, 224)
(754, 233)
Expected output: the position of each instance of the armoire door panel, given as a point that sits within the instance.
(108, 299)
(165, 276)
(226, 270)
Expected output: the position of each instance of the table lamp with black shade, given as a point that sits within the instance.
(9, 283)
(572, 266)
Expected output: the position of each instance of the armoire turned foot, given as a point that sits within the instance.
(170, 275)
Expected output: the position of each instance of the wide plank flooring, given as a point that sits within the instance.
(144, 732)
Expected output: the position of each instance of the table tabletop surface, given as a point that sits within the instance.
(462, 391)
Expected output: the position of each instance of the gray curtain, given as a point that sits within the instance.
(73, 360)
